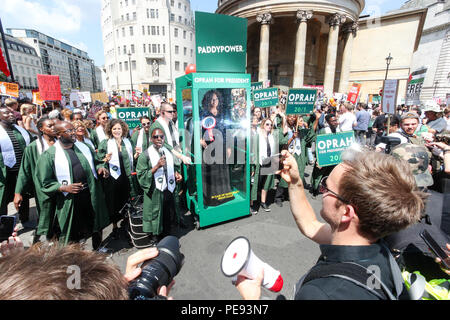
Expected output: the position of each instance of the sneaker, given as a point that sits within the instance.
(279, 203)
(253, 211)
(265, 207)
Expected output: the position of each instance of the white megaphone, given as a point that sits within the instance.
(239, 259)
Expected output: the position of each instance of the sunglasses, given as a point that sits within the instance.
(147, 124)
(324, 189)
(169, 111)
(161, 136)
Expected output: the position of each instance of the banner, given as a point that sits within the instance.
(100, 96)
(37, 98)
(389, 97)
(131, 115)
(414, 87)
(265, 97)
(221, 43)
(9, 89)
(301, 101)
(330, 146)
(49, 87)
(354, 93)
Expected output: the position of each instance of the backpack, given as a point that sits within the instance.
(366, 279)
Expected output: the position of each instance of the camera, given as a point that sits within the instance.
(159, 271)
(390, 142)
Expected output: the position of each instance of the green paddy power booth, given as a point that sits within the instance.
(213, 105)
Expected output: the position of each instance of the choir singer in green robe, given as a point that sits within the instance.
(157, 176)
(69, 171)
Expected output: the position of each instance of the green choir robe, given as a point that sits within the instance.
(279, 138)
(145, 142)
(153, 198)
(48, 183)
(26, 182)
(101, 154)
(3, 186)
(94, 138)
(306, 137)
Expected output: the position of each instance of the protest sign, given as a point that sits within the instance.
(9, 89)
(74, 97)
(414, 87)
(85, 96)
(156, 100)
(100, 96)
(330, 146)
(301, 101)
(265, 97)
(37, 97)
(389, 97)
(354, 93)
(131, 115)
(92, 111)
(49, 87)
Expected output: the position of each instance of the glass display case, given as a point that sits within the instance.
(213, 119)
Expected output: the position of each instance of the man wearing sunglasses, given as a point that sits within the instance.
(360, 206)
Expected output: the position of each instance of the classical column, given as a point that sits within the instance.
(349, 33)
(300, 48)
(330, 64)
(265, 20)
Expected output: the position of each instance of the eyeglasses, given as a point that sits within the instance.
(161, 136)
(324, 189)
(169, 111)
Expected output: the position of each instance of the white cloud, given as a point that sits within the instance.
(47, 17)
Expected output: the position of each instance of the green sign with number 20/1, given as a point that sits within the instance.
(330, 146)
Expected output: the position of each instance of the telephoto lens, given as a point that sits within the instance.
(158, 271)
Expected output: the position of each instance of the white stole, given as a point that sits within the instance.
(160, 178)
(100, 133)
(114, 163)
(263, 146)
(328, 130)
(39, 146)
(296, 145)
(89, 142)
(167, 131)
(62, 169)
(7, 147)
(140, 140)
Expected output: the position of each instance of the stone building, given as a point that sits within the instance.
(294, 43)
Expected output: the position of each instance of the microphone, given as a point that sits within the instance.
(162, 154)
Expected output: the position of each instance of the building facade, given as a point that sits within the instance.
(433, 53)
(295, 43)
(75, 69)
(147, 44)
(26, 64)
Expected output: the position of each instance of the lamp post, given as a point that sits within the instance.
(388, 62)
(435, 87)
(131, 76)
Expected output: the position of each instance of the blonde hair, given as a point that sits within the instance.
(78, 123)
(25, 108)
(383, 191)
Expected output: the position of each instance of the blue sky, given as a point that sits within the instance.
(77, 22)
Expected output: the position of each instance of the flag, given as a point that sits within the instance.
(3, 64)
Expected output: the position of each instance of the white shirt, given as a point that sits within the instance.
(346, 121)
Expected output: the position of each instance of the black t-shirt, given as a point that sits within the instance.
(333, 288)
(77, 170)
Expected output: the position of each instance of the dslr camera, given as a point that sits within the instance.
(158, 271)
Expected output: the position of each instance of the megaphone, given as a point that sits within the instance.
(239, 259)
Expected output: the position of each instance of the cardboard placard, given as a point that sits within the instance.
(9, 89)
(301, 101)
(330, 146)
(49, 87)
(265, 97)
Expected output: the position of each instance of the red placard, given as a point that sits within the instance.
(49, 87)
(354, 93)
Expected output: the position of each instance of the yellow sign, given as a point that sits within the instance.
(37, 98)
(9, 89)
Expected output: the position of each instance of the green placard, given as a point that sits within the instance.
(301, 101)
(221, 43)
(131, 115)
(265, 97)
(330, 146)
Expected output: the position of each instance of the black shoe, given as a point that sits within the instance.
(265, 207)
(115, 234)
(279, 203)
(253, 211)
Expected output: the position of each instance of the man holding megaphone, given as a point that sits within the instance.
(359, 209)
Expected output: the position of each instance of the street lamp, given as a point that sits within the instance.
(131, 76)
(435, 87)
(388, 62)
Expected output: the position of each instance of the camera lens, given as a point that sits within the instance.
(159, 271)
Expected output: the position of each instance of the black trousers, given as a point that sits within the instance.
(169, 215)
(10, 185)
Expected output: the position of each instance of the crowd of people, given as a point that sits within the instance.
(82, 172)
